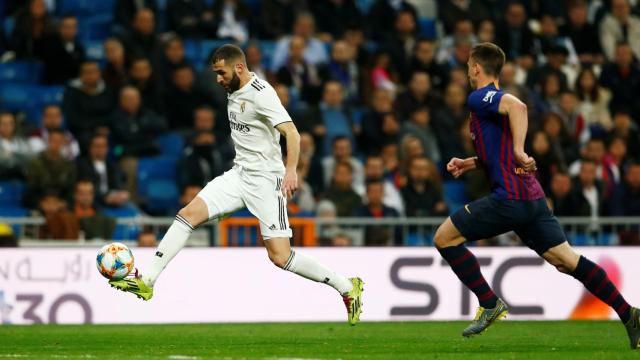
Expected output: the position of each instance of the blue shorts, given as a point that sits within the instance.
(531, 220)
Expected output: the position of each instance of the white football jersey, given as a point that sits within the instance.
(254, 112)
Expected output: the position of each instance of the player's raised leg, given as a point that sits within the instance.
(596, 280)
(281, 254)
(450, 243)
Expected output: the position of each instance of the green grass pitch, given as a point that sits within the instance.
(383, 340)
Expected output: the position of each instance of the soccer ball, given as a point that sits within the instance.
(114, 261)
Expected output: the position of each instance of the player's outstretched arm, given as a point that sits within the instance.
(290, 181)
(517, 112)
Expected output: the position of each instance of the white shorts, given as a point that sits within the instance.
(258, 191)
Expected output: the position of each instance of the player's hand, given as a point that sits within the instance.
(289, 184)
(457, 167)
(528, 163)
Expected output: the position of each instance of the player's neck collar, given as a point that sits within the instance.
(246, 86)
(494, 83)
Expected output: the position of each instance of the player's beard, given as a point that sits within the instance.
(234, 84)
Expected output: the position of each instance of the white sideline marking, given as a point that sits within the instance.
(182, 357)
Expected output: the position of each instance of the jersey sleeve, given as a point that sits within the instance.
(485, 103)
(268, 106)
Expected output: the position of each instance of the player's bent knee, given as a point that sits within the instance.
(440, 240)
(279, 259)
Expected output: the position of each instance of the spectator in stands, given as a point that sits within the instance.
(463, 29)
(341, 192)
(622, 77)
(548, 97)
(147, 82)
(563, 198)
(624, 128)
(15, 151)
(583, 34)
(147, 239)
(115, 68)
(588, 190)
(423, 60)
(342, 67)
(333, 17)
(300, 74)
(189, 193)
(447, 121)
(410, 147)
(62, 53)
(617, 152)
(277, 17)
(549, 37)
(254, 61)
(509, 85)
(452, 12)
(625, 200)
(383, 73)
(375, 208)
(326, 210)
(33, 25)
(594, 101)
(553, 126)
(571, 116)
(87, 103)
(514, 36)
(173, 58)
(93, 224)
(401, 42)
(52, 119)
(134, 127)
(371, 136)
(303, 200)
(620, 26)
(314, 50)
(183, 98)
(331, 119)
(60, 223)
(49, 171)
(205, 120)
(191, 19)
(391, 159)
(486, 31)
(106, 177)
(141, 40)
(233, 18)
(418, 94)
(422, 193)
(315, 175)
(201, 161)
(547, 158)
(342, 152)
(595, 151)
(382, 16)
(354, 36)
(374, 169)
(556, 57)
(126, 10)
(419, 126)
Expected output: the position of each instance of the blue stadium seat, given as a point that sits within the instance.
(94, 49)
(156, 168)
(455, 194)
(8, 24)
(28, 72)
(123, 232)
(50, 94)
(192, 50)
(267, 48)
(14, 211)
(85, 7)
(161, 196)
(171, 144)
(17, 96)
(427, 28)
(96, 27)
(11, 193)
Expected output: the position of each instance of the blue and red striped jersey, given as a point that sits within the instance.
(491, 134)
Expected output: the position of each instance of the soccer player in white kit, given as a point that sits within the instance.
(259, 180)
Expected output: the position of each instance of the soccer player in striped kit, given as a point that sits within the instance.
(517, 202)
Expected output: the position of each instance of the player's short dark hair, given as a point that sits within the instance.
(227, 52)
(489, 56)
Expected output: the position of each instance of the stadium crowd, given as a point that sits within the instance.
(109, 107)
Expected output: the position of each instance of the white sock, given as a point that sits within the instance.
(311, 269)
(172, 242)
